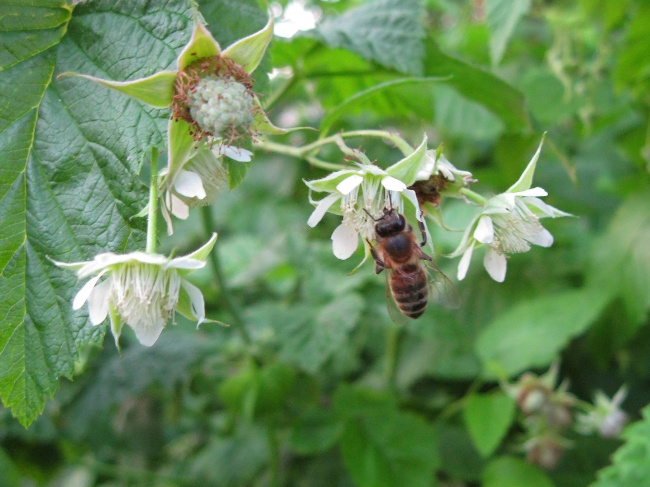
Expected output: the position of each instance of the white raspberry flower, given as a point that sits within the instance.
(141, 289)
(356, 194)
(509, 223)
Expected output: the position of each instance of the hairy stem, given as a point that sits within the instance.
(472, 196)
(153, 203)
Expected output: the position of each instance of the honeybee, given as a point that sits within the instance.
(413, 279)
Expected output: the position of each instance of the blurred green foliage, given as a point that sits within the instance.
(312, 384)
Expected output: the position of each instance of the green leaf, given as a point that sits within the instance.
(383, 446)
(633, 67)
(367, 95)
(255, 391)
(234, 460)
(308, 340)
(459, 116)
(474, 83)
(388, 32)
(69, 181)
(502, 17)
(10, 475)
(18, 23)
(514, 472)
(533, 332)
(631, 462)
(315, 431)
(620, 260)
(488, 418)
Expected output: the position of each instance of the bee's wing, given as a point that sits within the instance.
(441, 289)
(395, 314)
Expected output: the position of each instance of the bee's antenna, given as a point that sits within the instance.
(373, 218)
(390, 199)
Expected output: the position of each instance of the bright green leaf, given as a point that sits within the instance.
(514, 472)
(488, 418)
(382, 446)
(10, 475)
(502, 18)
(533, 332)
(620, 260)
(388, 32)
(631, 462)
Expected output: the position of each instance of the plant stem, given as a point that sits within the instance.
(153, 203)
(228, 300)
(303, 152)
(472, 196)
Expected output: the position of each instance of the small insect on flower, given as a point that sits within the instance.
(413, 279)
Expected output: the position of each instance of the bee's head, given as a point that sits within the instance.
(390, 224)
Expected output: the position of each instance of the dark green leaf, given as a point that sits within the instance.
(71, 184)
(514, 472)
(620, 261)
(388, 32)
(532, 333)
(488, 418)
(474, 83)
(236, 171)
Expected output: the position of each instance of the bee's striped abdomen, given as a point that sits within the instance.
(409, 286)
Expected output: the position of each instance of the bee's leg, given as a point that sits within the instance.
(379, 264)
(423, 233)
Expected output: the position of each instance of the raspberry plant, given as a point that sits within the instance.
(457, 114)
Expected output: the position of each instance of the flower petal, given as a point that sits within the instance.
(84, 293)
(345, 241)
(248, 52)
(147, 334)
(235, 153)
(495, 264)
(188, 183)
(532, 192)
(98, 302)
(484, 232)
(321, 209)
(349, 184)
(155, 90)
(178, 207)
(463, 265)
(392, 184)
(543, 238)
(196, 301)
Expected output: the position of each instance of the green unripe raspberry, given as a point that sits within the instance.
(221, 106)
